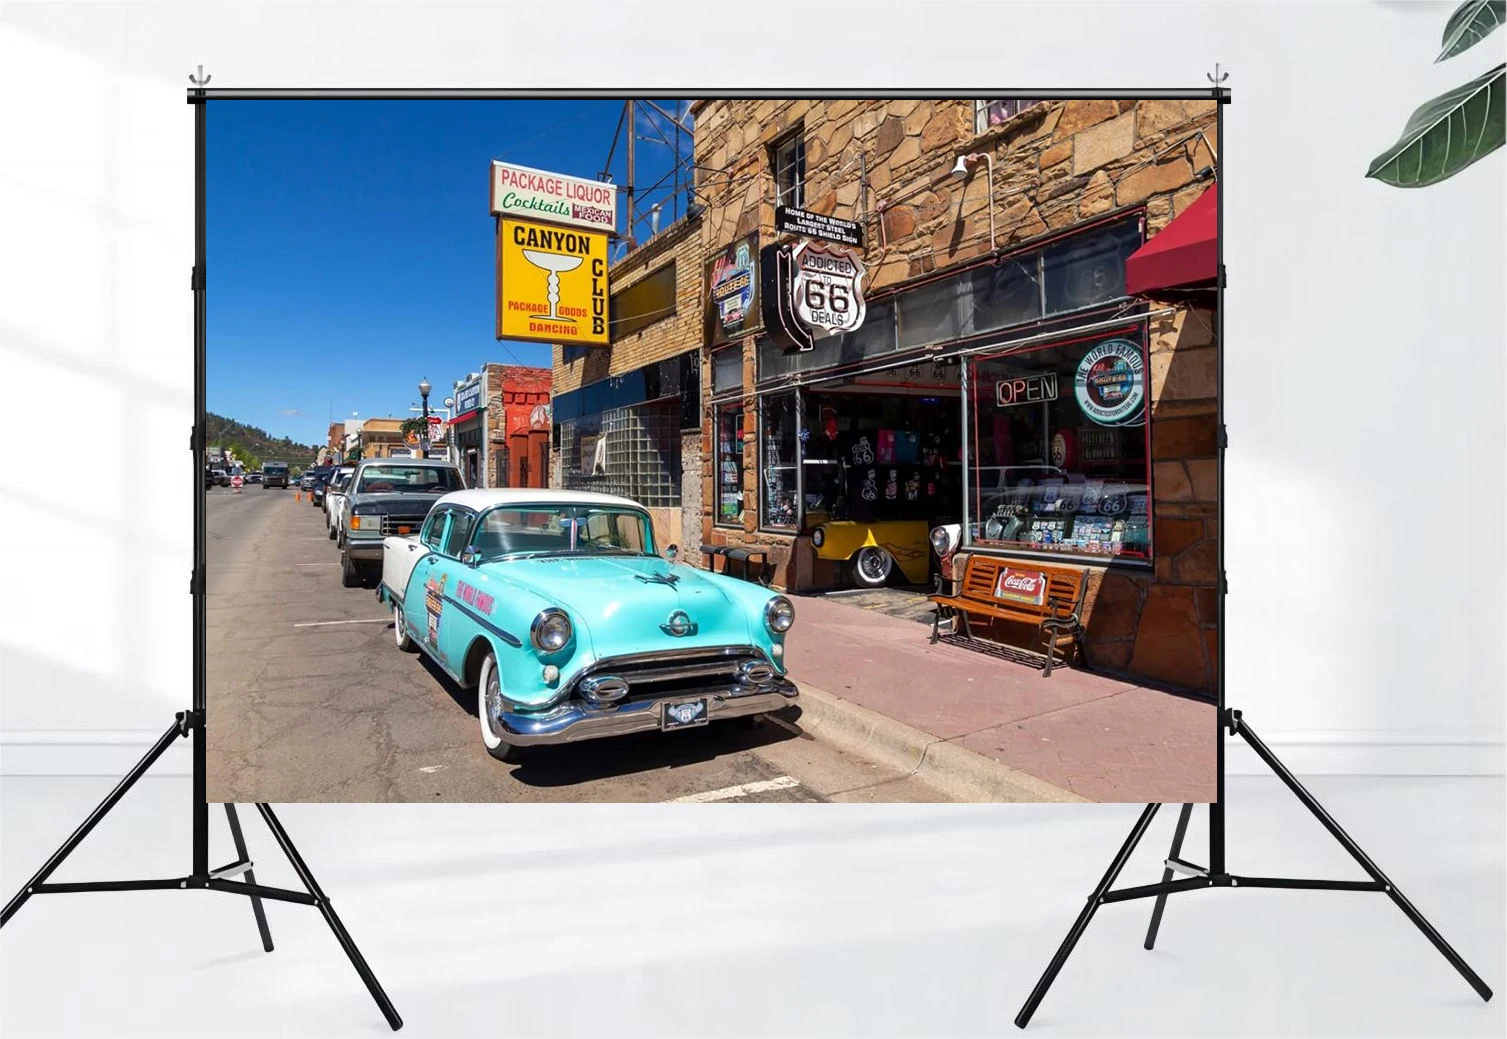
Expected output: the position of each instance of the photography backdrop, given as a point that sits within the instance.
(1364, 325)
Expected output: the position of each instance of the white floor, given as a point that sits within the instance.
(756, 920)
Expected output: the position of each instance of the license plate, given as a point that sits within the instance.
(684, 715)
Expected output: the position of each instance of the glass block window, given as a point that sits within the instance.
(643, 453)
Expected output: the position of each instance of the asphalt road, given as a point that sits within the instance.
(310, 700)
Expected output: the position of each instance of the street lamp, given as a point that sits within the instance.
(424, 389)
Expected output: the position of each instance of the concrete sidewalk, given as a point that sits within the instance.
(1100, 738)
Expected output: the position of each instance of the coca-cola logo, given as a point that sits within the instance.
(1021, 586)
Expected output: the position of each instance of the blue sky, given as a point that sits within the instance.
(350, 251)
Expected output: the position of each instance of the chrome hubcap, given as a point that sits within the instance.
(873, 564)
(494, 701)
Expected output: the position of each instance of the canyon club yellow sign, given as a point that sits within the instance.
(551, 284)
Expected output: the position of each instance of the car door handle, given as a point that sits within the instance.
(413, 548)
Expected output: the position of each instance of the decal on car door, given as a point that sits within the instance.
(434, 605)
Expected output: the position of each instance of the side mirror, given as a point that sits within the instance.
(671, 553)
(470, 557)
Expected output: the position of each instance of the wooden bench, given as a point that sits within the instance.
(1057, 614)
(733, 554)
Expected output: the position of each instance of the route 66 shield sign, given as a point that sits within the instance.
(827, 286)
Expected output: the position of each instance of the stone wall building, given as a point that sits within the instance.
(1060, 416)
(627, 417)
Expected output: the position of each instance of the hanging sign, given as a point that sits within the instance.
(827, 286)
(781, 323)
(468, 398)
(518, 191)
(436, 430)
(1029, 389)
(1111, 383)
(551, 284)
(814, 225)
(732, 283)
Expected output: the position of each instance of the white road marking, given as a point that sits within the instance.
(322, 624)
(430, 769)
(316, 564)
(743, 790)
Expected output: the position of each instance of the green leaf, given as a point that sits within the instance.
(1447, 134)
(1470, 24)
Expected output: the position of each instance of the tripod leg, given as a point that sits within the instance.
(341, 935)
(1081, 924)
(1161, 900)
(1311, 803)
(240, 852)
(88, 824)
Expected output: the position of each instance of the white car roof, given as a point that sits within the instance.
(479, 498)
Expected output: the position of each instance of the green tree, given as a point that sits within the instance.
(1455, 129)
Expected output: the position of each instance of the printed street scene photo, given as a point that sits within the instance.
(726, 450)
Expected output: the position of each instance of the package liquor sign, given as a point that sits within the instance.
(518, 191)
(827, 287)
(551, 284)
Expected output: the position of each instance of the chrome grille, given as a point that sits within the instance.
(390, 523)
(652, 675)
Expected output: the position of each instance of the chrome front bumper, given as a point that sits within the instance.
(358, 548)
(574, 721)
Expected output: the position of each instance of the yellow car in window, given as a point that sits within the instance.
(870, 552)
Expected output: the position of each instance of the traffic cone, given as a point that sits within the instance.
(298, 495)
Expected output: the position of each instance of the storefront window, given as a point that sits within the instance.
(1090, 268)
(929, 314)
(778, 463)
(1004, 294)
(730, 465)
(1058, 448)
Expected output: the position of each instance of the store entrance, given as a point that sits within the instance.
(880, 468)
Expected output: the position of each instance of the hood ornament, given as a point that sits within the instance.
(665, 579)
(679, 625)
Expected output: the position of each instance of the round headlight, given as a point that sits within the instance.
(939, 540)
(550, 631)
(779, 614)
(818, 536)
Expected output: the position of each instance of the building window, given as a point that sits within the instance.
(502, 467)
(730, 465)
(789, 163)
(727, 369)
(650, 299)
(778, 462)
(992, 113)
(643, 453)
(1058, 448)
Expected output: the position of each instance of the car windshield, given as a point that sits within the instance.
(558, 530)
(408, 479)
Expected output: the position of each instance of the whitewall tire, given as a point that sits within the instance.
(400, 633)
(489, 706)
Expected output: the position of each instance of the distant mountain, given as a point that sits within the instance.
(227, 432)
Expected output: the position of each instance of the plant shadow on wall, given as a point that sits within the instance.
(1455, 129)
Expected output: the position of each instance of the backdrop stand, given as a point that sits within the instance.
(1228, 722)
(191, 723)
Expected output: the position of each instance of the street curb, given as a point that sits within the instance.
(953, 770)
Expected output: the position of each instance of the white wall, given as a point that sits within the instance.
(1364, 327)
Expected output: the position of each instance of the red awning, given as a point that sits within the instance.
(1185, 254)
(467, 417)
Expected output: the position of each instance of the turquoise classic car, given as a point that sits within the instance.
(557, 608)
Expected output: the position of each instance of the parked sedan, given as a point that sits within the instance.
(334, 500)
(557, 608)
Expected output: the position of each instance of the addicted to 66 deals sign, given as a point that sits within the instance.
(518, 191)
(827, 285)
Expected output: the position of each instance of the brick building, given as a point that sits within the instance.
(502, 426)
(627, 417)
(1007, 376)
